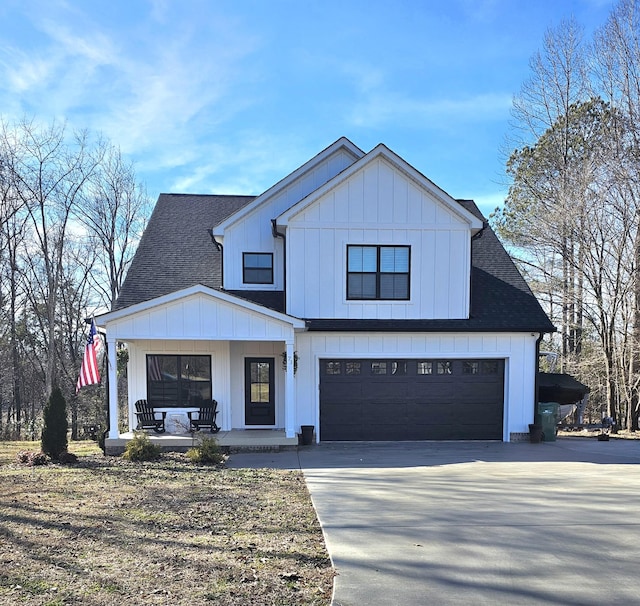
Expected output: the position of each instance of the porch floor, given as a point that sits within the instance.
(234, 440)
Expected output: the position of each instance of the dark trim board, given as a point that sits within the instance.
(407, 399)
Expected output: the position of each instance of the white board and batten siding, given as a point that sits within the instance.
(253, 232)
(199, 316)
(137, 374)
(517, 349)
(378, 205)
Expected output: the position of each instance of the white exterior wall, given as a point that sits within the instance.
(253, 232)
(378, 205)
(198, 316)
(518, 350)
(204, 323)
(239, 352)
(220, 384)
(227, 375)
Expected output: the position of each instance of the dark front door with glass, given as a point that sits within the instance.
(259, 392)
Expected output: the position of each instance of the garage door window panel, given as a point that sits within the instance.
(425, 368)
(444, 367)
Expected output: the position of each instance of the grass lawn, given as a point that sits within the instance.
(106, 531)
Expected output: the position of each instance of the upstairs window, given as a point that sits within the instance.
(257, 268)
(378, 272)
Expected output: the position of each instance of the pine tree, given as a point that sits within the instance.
(54, 433)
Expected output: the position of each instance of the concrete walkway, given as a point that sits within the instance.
(476, 522)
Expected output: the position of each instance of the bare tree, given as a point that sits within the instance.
(544, 108)
(114, 211)
(49, 175)
(616, 61)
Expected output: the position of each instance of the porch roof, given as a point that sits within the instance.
(199, 313)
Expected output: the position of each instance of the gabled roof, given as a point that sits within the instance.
(198, 289)
(341, 144)
(382, 151)
(176, 250)
(501, 300)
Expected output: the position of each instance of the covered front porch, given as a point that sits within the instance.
(225, 339)
(233, 440)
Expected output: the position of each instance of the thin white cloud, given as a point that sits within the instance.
(381, 109)
(246, 165)
(150, 92)
(23, 71)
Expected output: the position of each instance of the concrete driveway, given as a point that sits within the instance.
(476, 522)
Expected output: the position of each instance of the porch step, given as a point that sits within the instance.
(236, 440)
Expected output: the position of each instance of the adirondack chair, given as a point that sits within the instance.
(206, 416)
(147, 417)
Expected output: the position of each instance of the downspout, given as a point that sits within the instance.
(277, 234)
(220, 249)
(536, 382)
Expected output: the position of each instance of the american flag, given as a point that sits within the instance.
(89, 372)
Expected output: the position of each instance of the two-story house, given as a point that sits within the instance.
(354, 295)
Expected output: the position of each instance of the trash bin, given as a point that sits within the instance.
(547, 416)
(535, 433)
(307, 434)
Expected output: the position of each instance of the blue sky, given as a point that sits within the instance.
(229, 96)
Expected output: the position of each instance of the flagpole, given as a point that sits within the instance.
(106, 390)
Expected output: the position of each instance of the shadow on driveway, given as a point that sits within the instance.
(476, 522)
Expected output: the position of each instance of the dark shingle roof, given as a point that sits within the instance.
(273, 299)
(176, 250)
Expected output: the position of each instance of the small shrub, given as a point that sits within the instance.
(31, 458)
(54, 434)
(207, 451)
(67, 458)
(140, 448)
(102, 436)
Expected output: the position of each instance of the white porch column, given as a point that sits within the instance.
(289, 394)
(113, 388)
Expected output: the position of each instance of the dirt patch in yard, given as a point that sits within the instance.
(107, 531)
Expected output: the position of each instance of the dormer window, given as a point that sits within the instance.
(378, 272)
(257, 268)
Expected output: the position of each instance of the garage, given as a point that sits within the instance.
(408, 399)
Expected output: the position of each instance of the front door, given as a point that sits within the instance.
(259, 405)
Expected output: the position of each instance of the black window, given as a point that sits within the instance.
(490, 367)
(378, 272)
(178, 380)
(353, 368)
(398, 368)
(378, 368)
(425, 368)
(470, 368)
(444, 367)
(333, 368)
(257, 268)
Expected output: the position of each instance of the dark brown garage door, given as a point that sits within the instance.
(388, 399)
